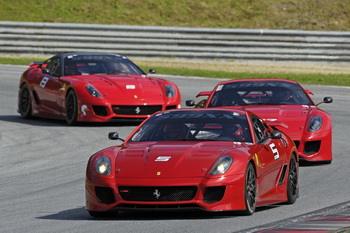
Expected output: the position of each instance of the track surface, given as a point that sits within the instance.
(42, 169)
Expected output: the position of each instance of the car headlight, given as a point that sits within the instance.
(222, 165)
(103, 165)
(93, 91)
(169, 91)
(315, 123)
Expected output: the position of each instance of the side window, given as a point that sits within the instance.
(54, 67)
(259, 129)
(125, 69)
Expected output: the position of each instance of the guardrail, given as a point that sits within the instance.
(175, 42)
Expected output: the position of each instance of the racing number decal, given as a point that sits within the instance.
(275, 152)
(43, 82)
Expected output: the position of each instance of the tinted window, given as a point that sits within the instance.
(100, 64)
(195, 126)
(260, 130)
(54, 66)
(259, 93)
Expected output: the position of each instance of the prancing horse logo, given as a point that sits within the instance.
(156, 194)
(137, 110)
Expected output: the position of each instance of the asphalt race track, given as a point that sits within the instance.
(42, 169)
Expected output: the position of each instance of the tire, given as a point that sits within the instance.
(250, 190)
(24, 102)
(292, 188)
(71, 108)
(97, 214)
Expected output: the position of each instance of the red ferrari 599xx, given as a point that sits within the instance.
(93, 87)
(283, 104)
(186, 159)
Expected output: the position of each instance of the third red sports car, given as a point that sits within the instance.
(283, 104)
(93, 87)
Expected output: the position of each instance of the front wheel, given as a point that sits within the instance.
(24, 102)
(250, 190)
(71, 108)
(292, 189)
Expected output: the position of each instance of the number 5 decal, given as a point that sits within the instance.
(43, 82)
(275, 152)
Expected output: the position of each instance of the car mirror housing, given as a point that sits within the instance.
(114, 136)
(326, 100)
(46, 71)
(190, 103)
(276, 134)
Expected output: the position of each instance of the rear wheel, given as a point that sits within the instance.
(292, 189)
(250, 190)
(71, 108)
(24, 102)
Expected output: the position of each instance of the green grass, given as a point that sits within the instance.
(19, 60)
(321, 79)
(251, 14)
(258, 14)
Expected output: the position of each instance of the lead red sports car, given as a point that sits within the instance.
(185, 159)
(93, 87)
(283, 104)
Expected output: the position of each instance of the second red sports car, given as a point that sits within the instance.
(93, 87)
(283, 104)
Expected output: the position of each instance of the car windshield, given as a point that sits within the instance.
(259, 93)
(99, 64)
(194, 126)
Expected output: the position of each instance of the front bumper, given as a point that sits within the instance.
(222, 194)
(101, 112)
(315, 147)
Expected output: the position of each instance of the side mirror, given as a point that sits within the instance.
(326, 100)
(152, 71)
(190, 103)
(276, 134)
(114, 136)
(46, 71)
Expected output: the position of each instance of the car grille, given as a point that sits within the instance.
(158, 194)
(312, 147)
(136, 110)
(214, 194)
(100, 110)
(105, 194)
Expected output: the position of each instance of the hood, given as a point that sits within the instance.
(125, 87)
(288, 118)
(169, 160)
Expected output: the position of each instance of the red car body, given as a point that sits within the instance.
(294, 117)
(83, 87)
(146, 172)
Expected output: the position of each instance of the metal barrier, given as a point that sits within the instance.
(175, 42)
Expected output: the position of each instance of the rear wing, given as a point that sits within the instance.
(309, 92)
(203, 93)
(35, 64)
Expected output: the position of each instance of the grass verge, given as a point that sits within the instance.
(229, 70)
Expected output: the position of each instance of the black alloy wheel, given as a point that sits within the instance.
(250, 190)
(71, 108)
(24, 102)
(292, 189)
